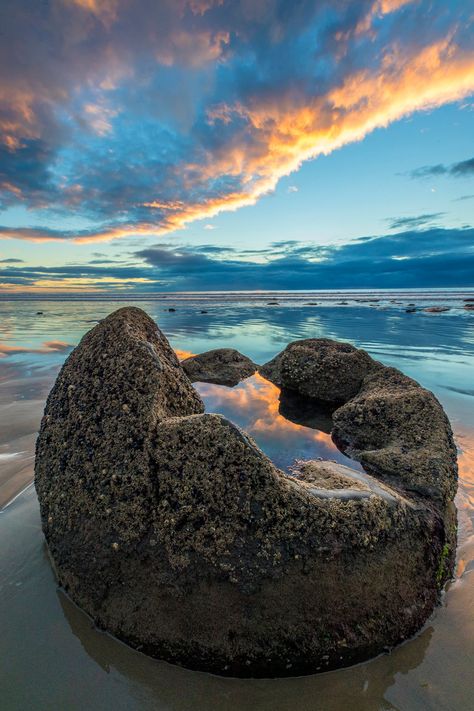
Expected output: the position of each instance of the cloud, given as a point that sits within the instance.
(11, 261)
(464, 197)
(153, 114)
(463, 169)
(431, 257)
(398, 223)
(411, 258)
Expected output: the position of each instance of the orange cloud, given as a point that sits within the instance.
(104, 10)
(286, 130)
(289, 134)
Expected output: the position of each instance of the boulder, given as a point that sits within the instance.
(92, 453)
(400, 433)
(320, 368)
(222, 366)
(176, 534)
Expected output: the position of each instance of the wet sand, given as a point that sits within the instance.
(21, 407)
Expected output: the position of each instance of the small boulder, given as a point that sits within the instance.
(320, 368)
(221, 366)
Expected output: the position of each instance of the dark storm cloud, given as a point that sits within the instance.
(411, 258)
(427, 258)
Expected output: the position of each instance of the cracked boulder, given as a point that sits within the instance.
(222, 366)
(175, 533)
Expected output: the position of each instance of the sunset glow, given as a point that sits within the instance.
(98, 148)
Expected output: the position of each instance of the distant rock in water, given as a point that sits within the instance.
(222, 366)
(436, 309)
(175, 533)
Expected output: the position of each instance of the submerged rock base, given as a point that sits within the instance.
(179, 536)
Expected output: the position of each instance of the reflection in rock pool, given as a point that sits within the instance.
(287, 428)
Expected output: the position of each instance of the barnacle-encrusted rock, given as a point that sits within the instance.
(178, 535)
(320, 368)
(400, 433)
(222, 366)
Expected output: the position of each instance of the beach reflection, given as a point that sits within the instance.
(465, 504)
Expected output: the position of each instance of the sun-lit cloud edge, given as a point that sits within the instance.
(366, 100)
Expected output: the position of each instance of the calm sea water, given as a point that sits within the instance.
(51, 655)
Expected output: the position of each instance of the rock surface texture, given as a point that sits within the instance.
(320, 368)
(179, 536)
(222, 366)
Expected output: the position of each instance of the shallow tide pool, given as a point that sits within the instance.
(51, 655)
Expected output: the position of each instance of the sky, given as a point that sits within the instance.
(162, 145)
